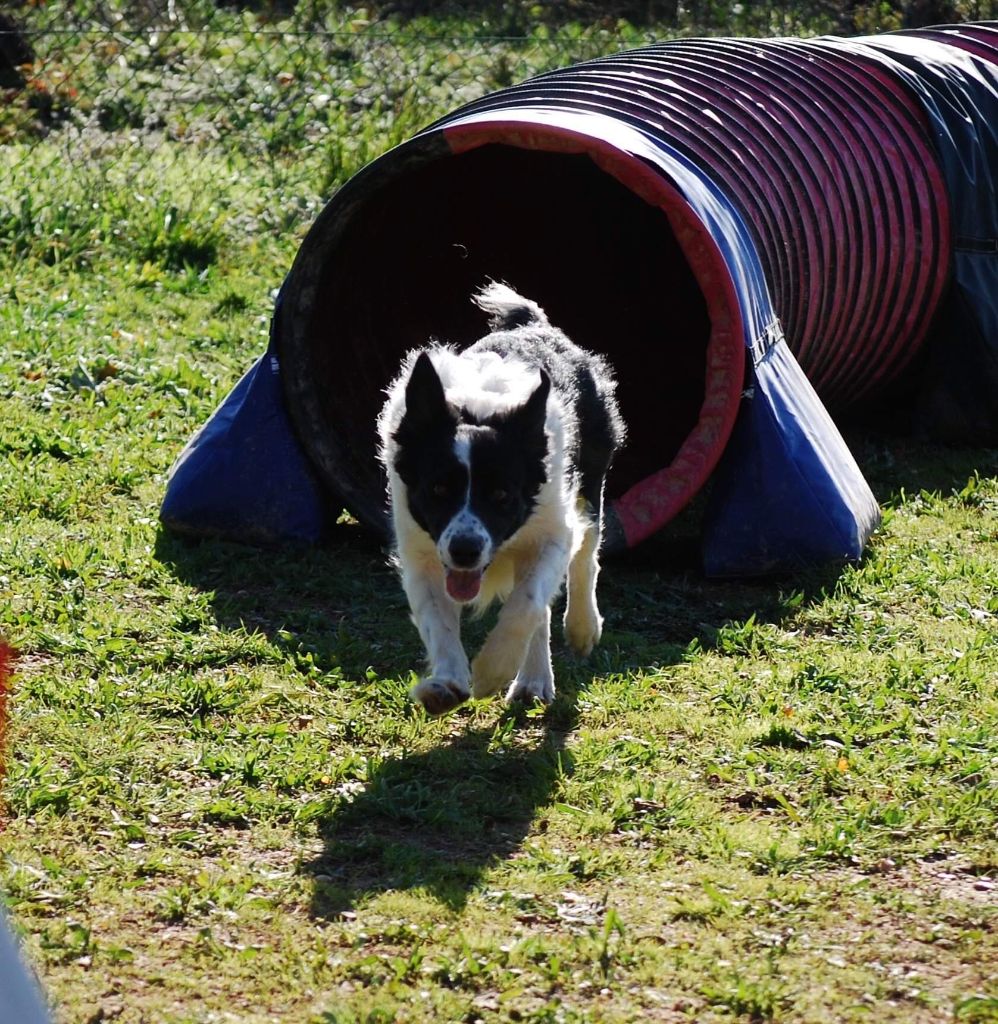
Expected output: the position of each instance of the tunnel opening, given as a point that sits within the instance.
(396, 268)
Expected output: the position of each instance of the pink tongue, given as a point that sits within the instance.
(463, 586)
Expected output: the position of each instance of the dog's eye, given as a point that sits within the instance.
(500, 496)
(440, 490)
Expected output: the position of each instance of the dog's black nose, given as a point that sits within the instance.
(465, 550)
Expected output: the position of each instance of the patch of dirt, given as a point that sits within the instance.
(911, 926)
(953, 879)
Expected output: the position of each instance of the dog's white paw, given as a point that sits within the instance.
(529, 690)
(583, 628)
(439, 695)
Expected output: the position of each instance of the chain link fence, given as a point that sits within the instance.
(289, 99)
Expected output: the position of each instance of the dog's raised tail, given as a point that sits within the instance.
(506, 309)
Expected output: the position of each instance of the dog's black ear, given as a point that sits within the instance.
(532, 415)
(425, 402)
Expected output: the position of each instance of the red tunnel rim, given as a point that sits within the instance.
(652, 502)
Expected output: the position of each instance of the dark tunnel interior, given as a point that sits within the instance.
(603, 264)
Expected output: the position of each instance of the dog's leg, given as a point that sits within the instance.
(438, 620)
(523, 614)
(535, 680)
(583, 622)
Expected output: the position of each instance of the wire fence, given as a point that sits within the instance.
(291, 98)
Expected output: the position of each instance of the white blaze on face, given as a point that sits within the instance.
(464, 581)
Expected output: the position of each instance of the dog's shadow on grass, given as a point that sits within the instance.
(438, 819)
(435, 819)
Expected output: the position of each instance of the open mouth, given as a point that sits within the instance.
(463, 585)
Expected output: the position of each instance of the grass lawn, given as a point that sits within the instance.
(769, 801)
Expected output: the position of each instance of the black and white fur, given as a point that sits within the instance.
(496, 460)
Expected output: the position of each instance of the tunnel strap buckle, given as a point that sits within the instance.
(767, 340)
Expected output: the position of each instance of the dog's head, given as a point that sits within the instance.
(471, 480)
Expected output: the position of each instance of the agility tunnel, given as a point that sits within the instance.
(753, 231)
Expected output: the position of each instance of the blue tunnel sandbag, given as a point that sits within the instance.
(244, 475)
(787, 492)
(795, 232)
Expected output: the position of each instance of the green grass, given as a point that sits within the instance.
(760, 802)
(767, 801)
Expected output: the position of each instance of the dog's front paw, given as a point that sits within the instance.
(529, 690)
(493, 670)
(583, 628)
(439, 695)
(488, 677)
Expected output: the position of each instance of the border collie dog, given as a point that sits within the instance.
(496, 458)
